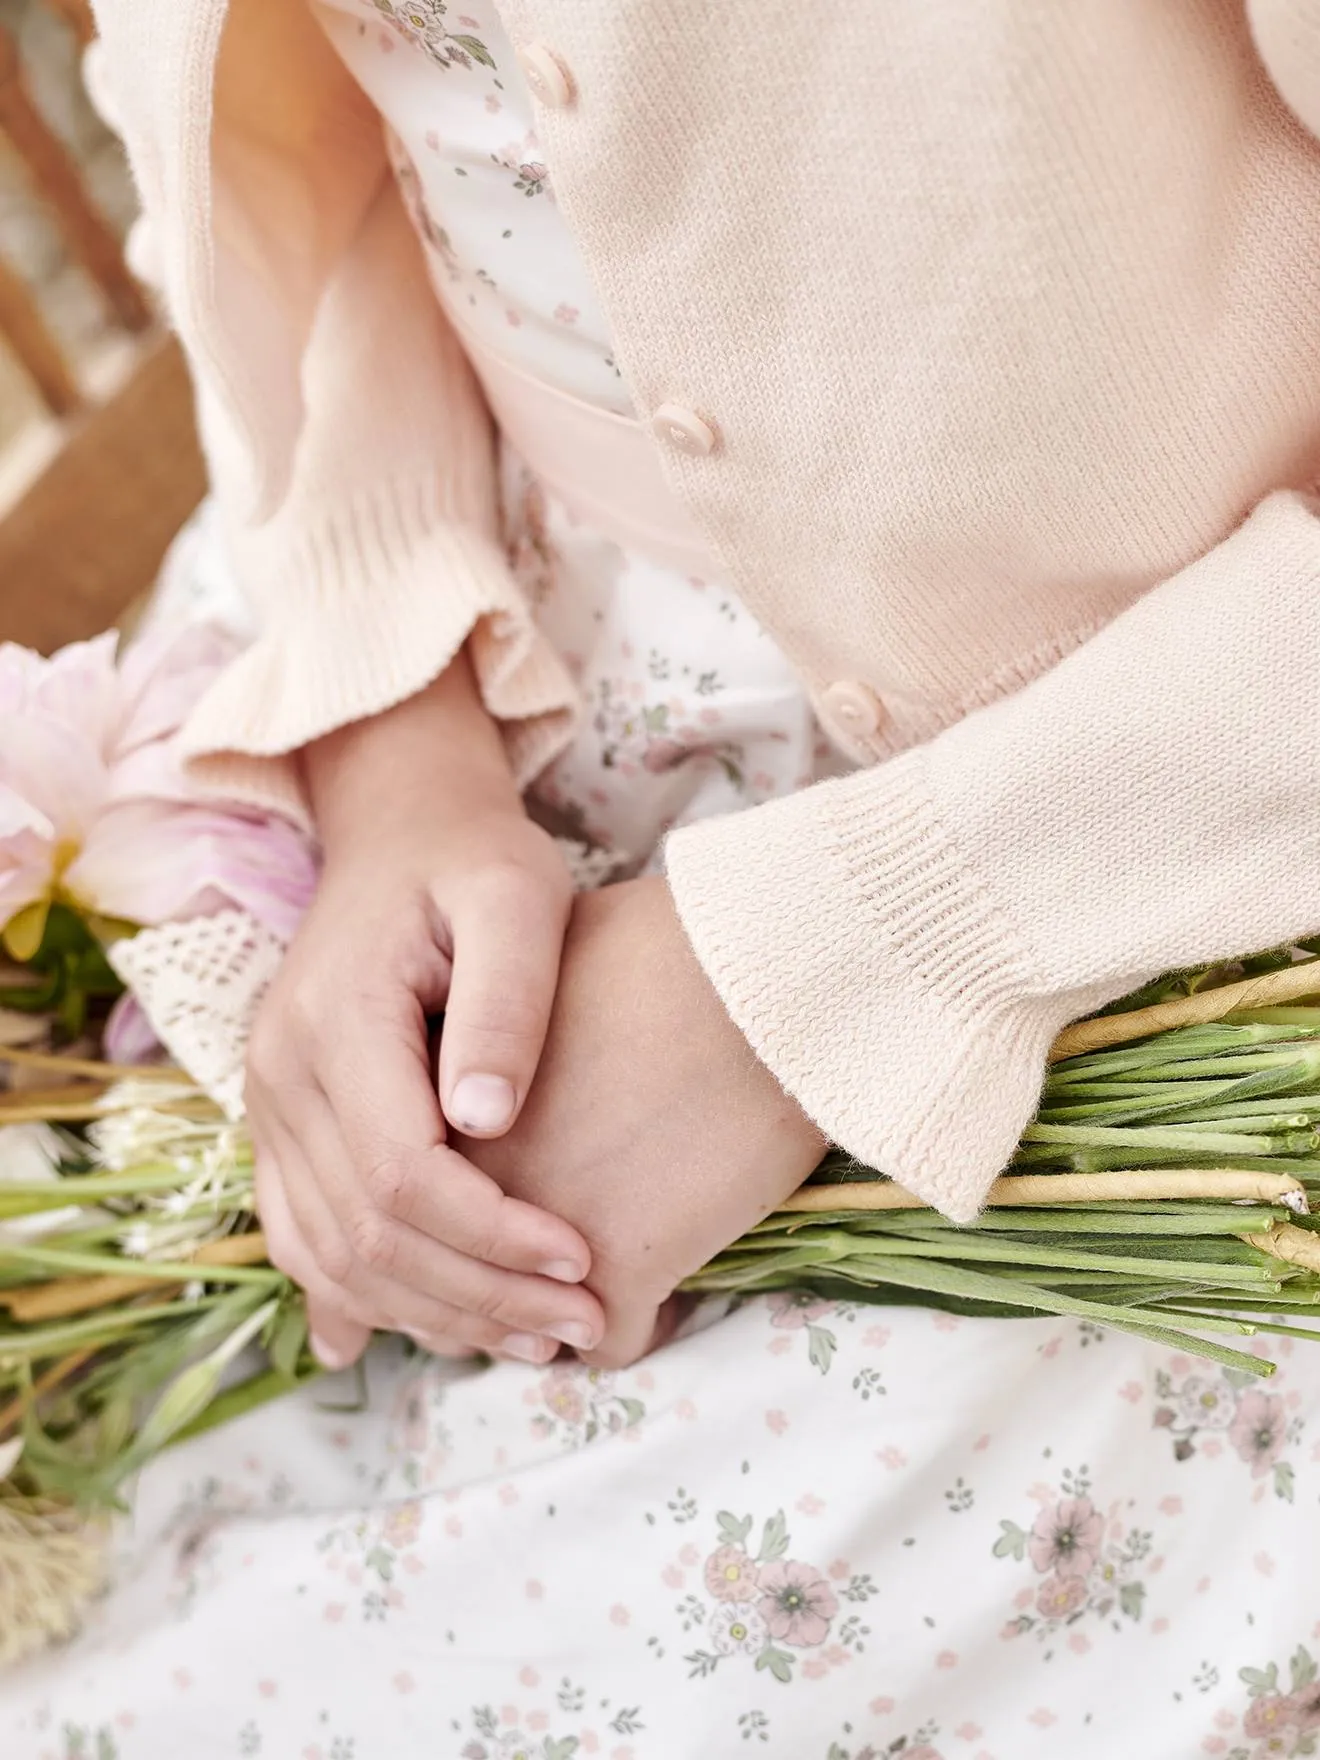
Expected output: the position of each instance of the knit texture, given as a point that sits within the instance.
(1037, 860)
(1005, 314)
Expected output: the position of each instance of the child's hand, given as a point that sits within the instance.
(651, 1125)
(438, 893)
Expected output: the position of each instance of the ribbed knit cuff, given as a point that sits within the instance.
(873, 976)
(368, 611)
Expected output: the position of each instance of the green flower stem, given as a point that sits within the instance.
(117, 1265)
(30, 1343)
(952, 1280)
(1179, 1220)
(1227, 1051)
(247, 1396)
(1009, 1252)
(1175, 1137)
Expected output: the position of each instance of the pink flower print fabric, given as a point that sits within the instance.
(568, 1563)
(689, 708)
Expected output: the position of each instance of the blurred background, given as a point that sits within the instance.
(98, 462)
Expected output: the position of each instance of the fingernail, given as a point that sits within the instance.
(326, 1354)
(575, 1332)
(527, 1348)
(482, 1103)
(563, 1271)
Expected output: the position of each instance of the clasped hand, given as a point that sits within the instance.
(597, 1129)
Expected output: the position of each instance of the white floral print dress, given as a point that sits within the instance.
(690, 708)
(803, 1530)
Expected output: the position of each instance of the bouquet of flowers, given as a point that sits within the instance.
(1165, 1187)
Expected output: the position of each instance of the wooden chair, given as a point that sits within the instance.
(115, 472)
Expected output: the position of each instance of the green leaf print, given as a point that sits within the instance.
(1303, 1668)
(1012, 1543)
(633, 1410)
(479, 52)
(779, 1663)
(1283, 1480)
(821, 1346)
(77, 1743)
(380, 1560)
(1260, 1680)
(563, 1750)
(702, 1664)
(1131, 1597)
(732, 1531)
(774, 1541)
(484, 1720)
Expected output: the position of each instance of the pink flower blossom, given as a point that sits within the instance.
(402, 1525)
(128, 1036)
(562, 1391)
(1306, 1707)
(1060, 1596)
(97, 809)
(797, 1603)
(1258, 1430)
(1269, 1714)
(731, 1575)
(1066, 1537)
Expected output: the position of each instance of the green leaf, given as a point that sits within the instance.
(258, 1390)
(188, 1396)
(1012, 1542)
(702, 1664)
(821, 1347)
(33, 998)
(633, 1411)
(1260, 1680)
(561, 1750)
(779, 1663)
(774, 1540)
(1131, 1597)
(1284, 1479)
(1302, 1668)
(479, 52)
(732, 1531)
(288, 1338)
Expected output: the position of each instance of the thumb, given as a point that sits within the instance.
(634, 1332)
(507, 943)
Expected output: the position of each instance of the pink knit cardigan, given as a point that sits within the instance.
(1004, 319)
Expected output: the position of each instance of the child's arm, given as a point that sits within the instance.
(902, 945)
(437, 893)
(353, 466)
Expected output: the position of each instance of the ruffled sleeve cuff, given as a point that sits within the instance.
(372, 608)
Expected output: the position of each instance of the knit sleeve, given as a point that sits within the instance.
(901, 946)
(383, 556)
(350, 450)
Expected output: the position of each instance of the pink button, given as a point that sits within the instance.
(548, 80)
(853, 707)
(684, 430)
